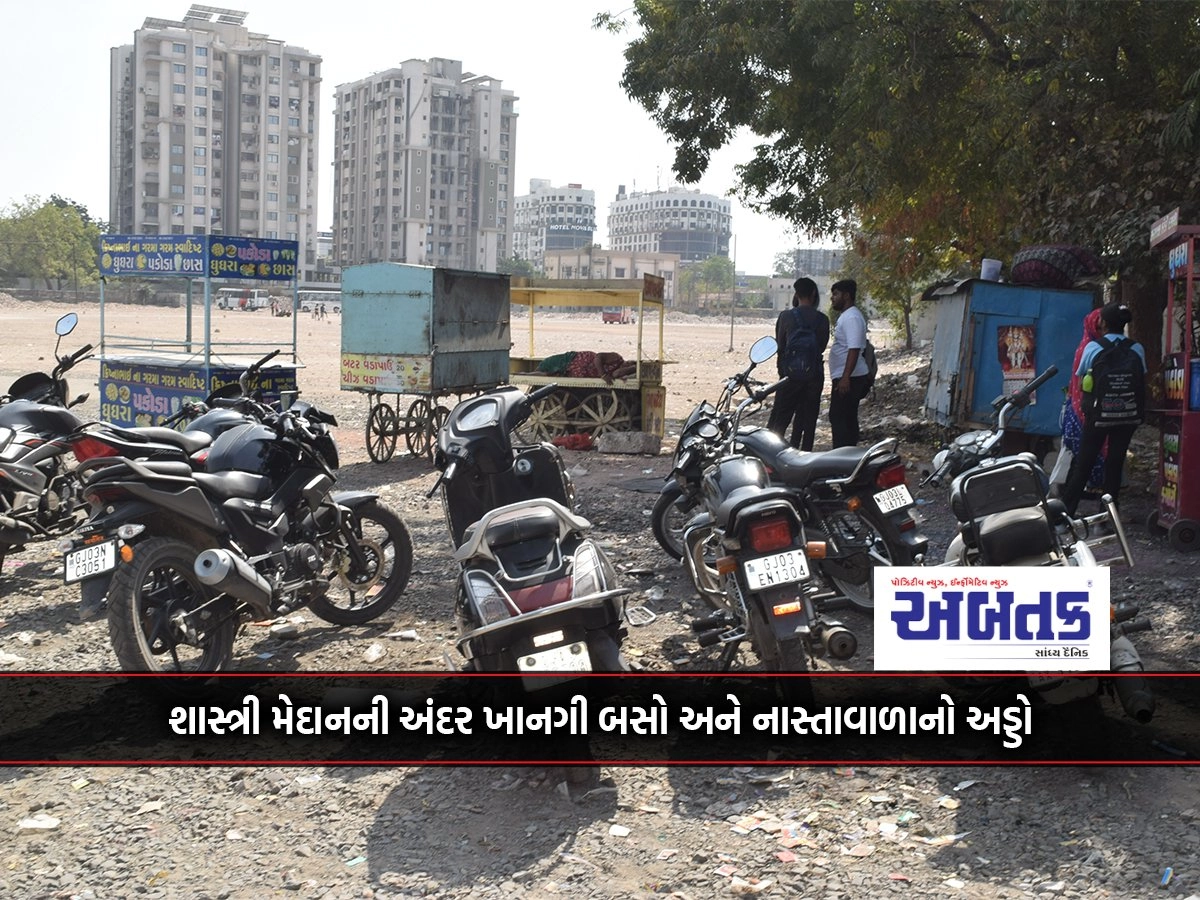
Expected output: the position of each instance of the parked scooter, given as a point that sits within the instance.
(1006, 518)
(751, 554)
(39, 494)
(535, 594)
(854, 499)
(184, 556)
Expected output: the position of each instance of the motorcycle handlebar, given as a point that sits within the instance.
(541, 393)
(262, 362)
(80, 353)
(763, 393)
(1020, 399)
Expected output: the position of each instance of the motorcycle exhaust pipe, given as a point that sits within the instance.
(839, 642)
(1134, 693)
(224, 572)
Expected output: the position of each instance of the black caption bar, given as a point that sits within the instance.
(635, 719)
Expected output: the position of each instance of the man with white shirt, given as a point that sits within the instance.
(847, 368)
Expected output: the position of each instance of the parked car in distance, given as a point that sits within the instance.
(621, 315)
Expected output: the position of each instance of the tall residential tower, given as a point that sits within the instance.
(424, 156)
(214, 131)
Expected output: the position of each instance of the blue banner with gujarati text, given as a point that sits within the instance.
(198, 256)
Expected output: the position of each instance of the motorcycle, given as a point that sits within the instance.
(1006, 518)
(182, 557)
(853, 499)
(39, 493)
(535, 594)
(750, 555)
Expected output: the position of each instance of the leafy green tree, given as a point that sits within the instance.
(51, 241)
(967, 128)
(517, 266)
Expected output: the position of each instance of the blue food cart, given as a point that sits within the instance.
(424, 333)
(145, 379)
(991, 338)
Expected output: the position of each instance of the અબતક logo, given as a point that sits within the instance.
(992, 619)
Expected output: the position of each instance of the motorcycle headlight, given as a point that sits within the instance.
(939, 459)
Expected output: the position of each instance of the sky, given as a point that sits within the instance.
(575, 125)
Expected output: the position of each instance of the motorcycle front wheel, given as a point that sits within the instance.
(362, 590)
(147, 602)
(854, 576)
(670, 515)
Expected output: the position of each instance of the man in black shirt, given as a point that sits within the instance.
(800, 400)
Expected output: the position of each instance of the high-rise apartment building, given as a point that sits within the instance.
(214, 131)
(692, 224)
(552, 218)
(423, 161)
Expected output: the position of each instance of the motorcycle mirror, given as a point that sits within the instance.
(287, 398)
(82, 398)
(763, 349)
(66, 324)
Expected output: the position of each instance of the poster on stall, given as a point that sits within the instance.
(1017, 346)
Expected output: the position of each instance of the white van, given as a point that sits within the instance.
(248, 299)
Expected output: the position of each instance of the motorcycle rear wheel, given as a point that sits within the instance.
(144, 596)
(670, 515)
(791, 659)
(357, 596)
(861, 594)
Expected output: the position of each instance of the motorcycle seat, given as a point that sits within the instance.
(530, 525)
(796, 468)
(230, 485)
(189, 441)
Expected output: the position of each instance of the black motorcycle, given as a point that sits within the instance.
(535, 594)
(1007, 518)
(183, 556)
(752, 555)
(854, 499)
(39, 494)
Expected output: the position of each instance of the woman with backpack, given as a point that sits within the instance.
(1112, 372)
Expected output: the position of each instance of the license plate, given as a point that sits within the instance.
(893, 498)
(94, 559)
(779, 568)
(567, 658)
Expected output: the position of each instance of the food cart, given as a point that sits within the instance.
(594, 406)
(990, 339)
(1178, 509)
(423, 333)
(145, 379)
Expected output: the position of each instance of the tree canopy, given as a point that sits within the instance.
(959, 129)
(53, 241)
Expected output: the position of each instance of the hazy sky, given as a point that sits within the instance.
(575, 123)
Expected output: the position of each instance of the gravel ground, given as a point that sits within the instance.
(245, 832)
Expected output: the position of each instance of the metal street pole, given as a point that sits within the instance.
(733, 294)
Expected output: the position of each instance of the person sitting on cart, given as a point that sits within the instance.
(587, 364)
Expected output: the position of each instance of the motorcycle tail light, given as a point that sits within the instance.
(91, 448)
(786, 609)
(104, 494)
(489, 601)
(770, 534)
(892, 476)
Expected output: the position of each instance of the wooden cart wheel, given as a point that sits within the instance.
(436, 420)
(547, 420)
(1184, 535)
(601, 412)
(382, 431)
(416, 426)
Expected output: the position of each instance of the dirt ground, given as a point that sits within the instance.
(426, 831)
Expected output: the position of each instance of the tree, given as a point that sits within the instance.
(970, 128)
(517, 266)
(53, 241)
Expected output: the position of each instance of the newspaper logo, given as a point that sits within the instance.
(992, 619)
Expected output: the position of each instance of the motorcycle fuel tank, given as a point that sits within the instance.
(39, 417)
(731, 473)
(250, 448)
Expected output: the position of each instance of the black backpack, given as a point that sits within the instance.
(868, 355)
(1118, 395)
(801, 358)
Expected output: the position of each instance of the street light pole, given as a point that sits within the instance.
(733, 294)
